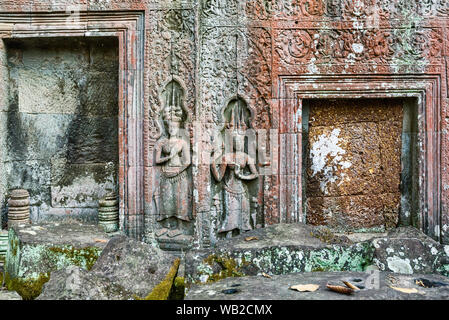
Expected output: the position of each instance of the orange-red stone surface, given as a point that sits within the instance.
(354, 163)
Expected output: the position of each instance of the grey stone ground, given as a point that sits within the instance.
(75, 233)
(277, 287)
(9, 295)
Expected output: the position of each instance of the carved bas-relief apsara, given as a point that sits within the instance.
(234, 168)
(173, 200)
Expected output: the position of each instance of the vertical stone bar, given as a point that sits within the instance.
(290, 161)
(4, 91)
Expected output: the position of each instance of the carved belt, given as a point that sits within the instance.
(233, 191)
(175, 178)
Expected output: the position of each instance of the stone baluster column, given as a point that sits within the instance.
(108, 213)
(19, 207)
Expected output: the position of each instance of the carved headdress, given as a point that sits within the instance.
(172, 113)
(173, 110)
(237, 122)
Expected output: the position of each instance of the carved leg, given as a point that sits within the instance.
(254, 211)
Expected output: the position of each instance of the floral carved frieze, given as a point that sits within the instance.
(219, 8)
(322, 9)
(236, 61)
(404, 46)
(261, 10)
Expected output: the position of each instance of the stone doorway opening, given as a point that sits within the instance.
(61, 124)
(360, 163)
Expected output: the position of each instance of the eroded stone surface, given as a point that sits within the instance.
(74, 283)
(126, 269)
(136, 266)
(278, 249)
(71, 232)
(406, 250)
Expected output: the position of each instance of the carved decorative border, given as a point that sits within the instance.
(427, 90)
(128, 27)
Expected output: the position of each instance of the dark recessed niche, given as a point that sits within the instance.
(62, 123)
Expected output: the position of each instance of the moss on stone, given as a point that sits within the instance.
(83, 258)
(28, 289)
(178, 289)
(444, 270)
(229, 267)
(325, 235)
(163, 289)
(14, 244)
(319, 269)
(282, 260)
(340, 259)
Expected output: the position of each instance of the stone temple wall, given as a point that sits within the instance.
(194, 75)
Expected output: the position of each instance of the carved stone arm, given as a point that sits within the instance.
(218, 174)
(254, 174)
(186, 159)
(159, 158)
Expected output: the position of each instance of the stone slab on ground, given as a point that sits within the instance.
(34, 251)
(277, 287)
(277, 249)
(126, 269)
(289, 248)
(74, 283)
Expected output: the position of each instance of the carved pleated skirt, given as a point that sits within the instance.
(175, 197)
(236, 209)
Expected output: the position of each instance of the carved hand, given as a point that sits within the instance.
(174, 151)
(229, 158)
(215, 155)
